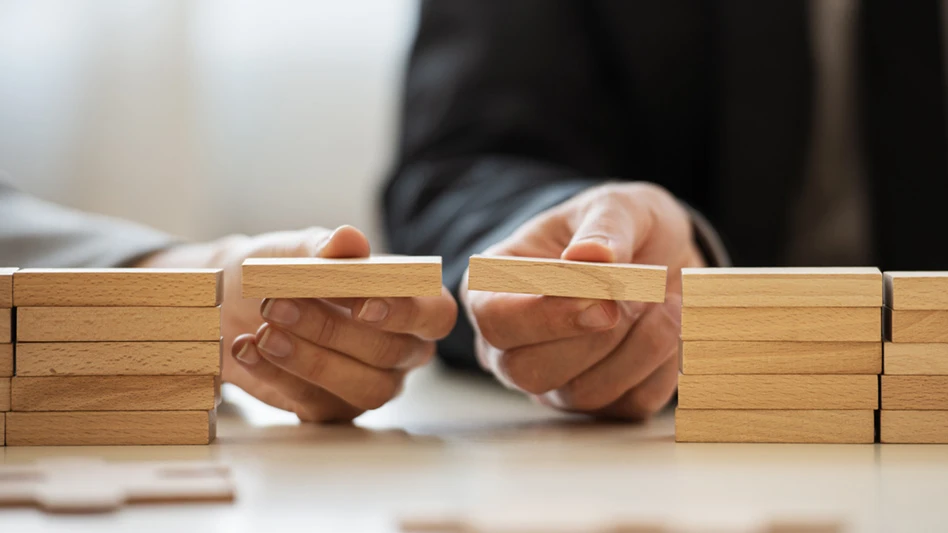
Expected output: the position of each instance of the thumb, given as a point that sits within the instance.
(343, 242)
(605, 233)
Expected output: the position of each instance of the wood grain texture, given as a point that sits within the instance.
(927, 359)
(781, 287)
(6, 360)
(65, 324)
(118, 358)
(817, 324)
(775, 426)
(6, 326)
(6, 287)
(911, 393)
(913, 427)
(556, 277)
(117, 287)
(377, 276)
(115, 393)
(778, 392)
(115, 428)
(916, 290)
(916, 326)
(5, 394)
(759, 357)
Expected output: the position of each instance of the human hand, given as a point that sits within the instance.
(606, 358)
(326, 360)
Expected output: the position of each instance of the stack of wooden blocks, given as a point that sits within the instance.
(6, 344)
(786, 355)
(115, 356)
(915, 380)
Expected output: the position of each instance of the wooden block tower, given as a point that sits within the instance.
(788, 355)
(915, 377)
(6, 344)
(115, 357)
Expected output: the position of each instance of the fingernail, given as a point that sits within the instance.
(594, 317)
(284, 312)
(598, 240)
(275, 343)
(247, 356)
(373, 310)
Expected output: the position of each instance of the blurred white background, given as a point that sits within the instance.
(206, 117)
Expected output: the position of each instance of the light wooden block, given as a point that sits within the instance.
(118, 358)
(917, 326)
(780, 357)
(65, 324)
(116, 393)
(815, 324)
(6, 326)
(114, 428)
(913, 427)
(4, 394)
(777, 392)
(927, 359)
(910, 393)
(6, 360)
(775, 426)
(6, 287)
(556, 277)
(781, 287)
(916, 290)
(118, 287)
(377, 276)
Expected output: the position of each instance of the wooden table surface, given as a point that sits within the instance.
(461, 444)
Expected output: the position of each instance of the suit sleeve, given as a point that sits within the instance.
(34, 233)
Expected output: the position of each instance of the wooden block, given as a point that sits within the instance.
(928, 359)
(377, 276)
(916, 290)
(917, 326)
(777, 426)
(781, 287)
(6, 287)
(913, 427)
(556, 277)
(6, 360)
(5, 394)
(758, 357)
(84, 485)
(118, 358)
(115, 393)
(910, 393)
(776, 392)
(64, 324)
(118, 287)
(6, 326)
(817, 324)
(112, 428)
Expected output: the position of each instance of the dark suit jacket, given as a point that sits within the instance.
(512, 106)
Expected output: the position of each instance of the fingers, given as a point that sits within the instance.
(429, 318)
(648, 398)
(355, 382)
(606, 230)
(343, 242)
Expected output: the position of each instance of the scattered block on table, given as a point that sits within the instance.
(84, 485)
(775, 425)
(5, 394)
(118, 358)
(917, 326)
(112, 428)
(909, 393)
(578, 279)
(116, 393)
(117, 287)
(780, 357)
(916, 290)
(844, 324)
(928, 359)
(781, 287)
(309, 277)
(64, 324)
(6, 360)
(913, 427)
(6, 287)
(6, 326)
(778, 392)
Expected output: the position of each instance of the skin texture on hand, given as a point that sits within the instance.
(606, 358)
(327, 360)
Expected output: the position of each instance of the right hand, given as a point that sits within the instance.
(606, 358)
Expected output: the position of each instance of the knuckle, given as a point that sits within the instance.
(643, 402)
(388, 352)
(324, 330)
(520, 372)
(315, 369)
(379, 393)
(583, 397)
